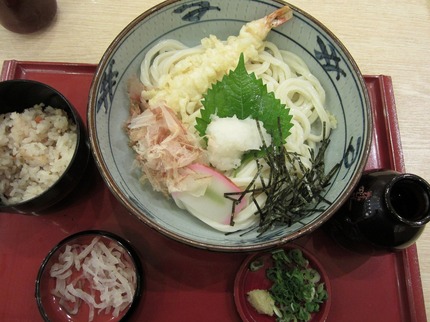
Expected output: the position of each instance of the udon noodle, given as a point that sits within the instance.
(283, 72)
(200, 173)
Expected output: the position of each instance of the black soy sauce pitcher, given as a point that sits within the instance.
(387, 211)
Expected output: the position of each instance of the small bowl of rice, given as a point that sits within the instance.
(43, 146)
(91, 275)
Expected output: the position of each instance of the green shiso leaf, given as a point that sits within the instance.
(240, 93)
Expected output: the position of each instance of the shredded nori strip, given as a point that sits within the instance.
(291, 196)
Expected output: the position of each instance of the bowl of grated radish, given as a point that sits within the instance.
(229, 126)
(89, 276)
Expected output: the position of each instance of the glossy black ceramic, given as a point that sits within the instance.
(17, 95)
(387, 211)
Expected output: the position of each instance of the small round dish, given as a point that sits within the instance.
(247, 280)
(18, 96)
(53, 308)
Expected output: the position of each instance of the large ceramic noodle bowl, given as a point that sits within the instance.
(229, 125)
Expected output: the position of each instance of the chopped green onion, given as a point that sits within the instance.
(296, 290)
(256, 265)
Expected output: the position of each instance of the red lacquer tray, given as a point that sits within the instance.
(187, 284)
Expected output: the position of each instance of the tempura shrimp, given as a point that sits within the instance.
(172, 88)
(180, 81)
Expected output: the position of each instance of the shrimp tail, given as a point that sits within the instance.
(278, 17)
(259, 29)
